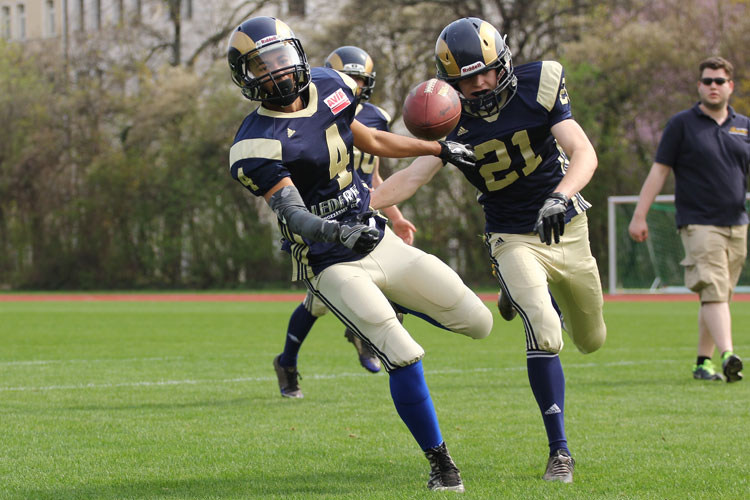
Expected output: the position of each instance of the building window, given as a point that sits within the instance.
(6, 23)
(49, 18)
(21, 12)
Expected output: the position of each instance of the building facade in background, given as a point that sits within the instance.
(70, 21)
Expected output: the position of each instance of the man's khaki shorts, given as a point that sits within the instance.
(714, 256)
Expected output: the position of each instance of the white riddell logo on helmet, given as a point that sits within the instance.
(267, 40)
(472, 67)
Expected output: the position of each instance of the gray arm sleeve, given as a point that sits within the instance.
(289, 207)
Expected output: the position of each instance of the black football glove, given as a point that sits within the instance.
(359, 237)
(550, 219)
(460, 155)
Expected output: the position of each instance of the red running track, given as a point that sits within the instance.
(284, 297)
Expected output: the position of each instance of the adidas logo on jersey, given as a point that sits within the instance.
(290, 132)
(553, 409)
(461, 131)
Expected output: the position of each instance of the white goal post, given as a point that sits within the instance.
(654, 253)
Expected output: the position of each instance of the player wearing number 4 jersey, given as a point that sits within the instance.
(532, 161)
(358, 64)
(295, 151)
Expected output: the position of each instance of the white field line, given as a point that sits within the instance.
(159, 383)
(61, 361)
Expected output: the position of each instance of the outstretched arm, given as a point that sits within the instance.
(638, 227)
(389, 145)
(403, 184)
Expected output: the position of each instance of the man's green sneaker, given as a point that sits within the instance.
(731, 365)
(705, 371)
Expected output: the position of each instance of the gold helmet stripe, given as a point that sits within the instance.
(241, 42)
(447, 59)
(369, 65)
(336, 62)
(283, 30)
(487, 42)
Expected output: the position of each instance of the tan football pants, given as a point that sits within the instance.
(529, 270)
(358, 293)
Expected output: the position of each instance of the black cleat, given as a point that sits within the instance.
(367, 357)
(560, 467)
(288, 379)
(705, 371)
(732, 368)
(507, 311)
(444, 475)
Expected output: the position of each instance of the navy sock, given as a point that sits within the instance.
(300, 324)
(548, 385)
(701, 359)
(414, 405)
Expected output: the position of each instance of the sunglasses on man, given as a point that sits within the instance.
(718, 81)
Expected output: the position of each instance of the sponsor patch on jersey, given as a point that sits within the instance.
(472, 67)
(738, 131)
(290, 132)
(461, 131)
(337, 101)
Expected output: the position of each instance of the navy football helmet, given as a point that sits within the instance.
(264, 50)
(355, 62)
(469, 46)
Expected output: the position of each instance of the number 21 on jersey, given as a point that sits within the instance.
(497, 174)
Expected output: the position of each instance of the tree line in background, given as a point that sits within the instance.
(114, 163)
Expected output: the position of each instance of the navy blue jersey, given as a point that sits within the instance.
(519, 163)
(313, 147)
(371, 116)
(710, 163)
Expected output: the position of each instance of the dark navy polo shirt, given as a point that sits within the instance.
(710, 164)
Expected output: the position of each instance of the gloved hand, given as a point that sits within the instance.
(460, 155)
(550, 219)
(359, 237)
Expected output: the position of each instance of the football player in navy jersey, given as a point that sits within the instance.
(295, 151)
(532, 161)
(358, 64)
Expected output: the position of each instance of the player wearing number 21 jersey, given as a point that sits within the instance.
(532, 161)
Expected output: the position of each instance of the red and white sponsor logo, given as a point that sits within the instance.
(267, 40)
(472, 67)
(337, 101)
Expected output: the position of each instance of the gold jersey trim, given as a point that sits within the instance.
(549, 84)
(255, 148)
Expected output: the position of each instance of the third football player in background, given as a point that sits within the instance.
(532, 161)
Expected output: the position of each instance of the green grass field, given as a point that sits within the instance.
(139, 400)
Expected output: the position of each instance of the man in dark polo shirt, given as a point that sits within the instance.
(708, 148)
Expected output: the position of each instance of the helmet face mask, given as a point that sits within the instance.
(471, 46)
(356, 63)
(267, 62)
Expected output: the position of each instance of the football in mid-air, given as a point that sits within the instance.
(432, 109)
